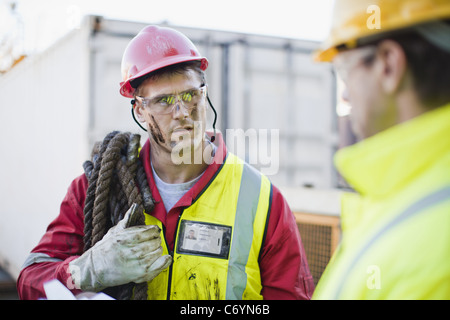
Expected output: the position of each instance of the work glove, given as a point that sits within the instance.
(124, 255)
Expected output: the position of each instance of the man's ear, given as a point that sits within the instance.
(393, 65)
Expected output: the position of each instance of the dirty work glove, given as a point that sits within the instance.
(124, 255)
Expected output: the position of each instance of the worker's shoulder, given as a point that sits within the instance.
(77, 189)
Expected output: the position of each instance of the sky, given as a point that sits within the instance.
(44, 21)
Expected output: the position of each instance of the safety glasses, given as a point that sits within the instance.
(346, 61)
(165, 103)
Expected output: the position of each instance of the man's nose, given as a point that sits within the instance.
(179, 111)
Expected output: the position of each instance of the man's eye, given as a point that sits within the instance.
(187, 96)
(167, 100)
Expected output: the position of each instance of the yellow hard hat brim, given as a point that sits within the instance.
(350, 21)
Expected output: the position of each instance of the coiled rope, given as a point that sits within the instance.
(116, 180)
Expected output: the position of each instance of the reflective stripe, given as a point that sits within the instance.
(417, 207)
(243, 232)
(37, 257)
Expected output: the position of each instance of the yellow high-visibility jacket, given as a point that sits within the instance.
(396, 229)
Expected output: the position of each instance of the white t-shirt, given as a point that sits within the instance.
(172, 192)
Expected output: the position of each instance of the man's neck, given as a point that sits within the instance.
(171, 172)
(409, 106)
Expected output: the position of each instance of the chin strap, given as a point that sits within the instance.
(213, 138)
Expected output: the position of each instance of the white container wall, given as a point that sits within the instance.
(276, 108)
(43, 114)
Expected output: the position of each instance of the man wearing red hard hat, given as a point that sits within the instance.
(209, 227)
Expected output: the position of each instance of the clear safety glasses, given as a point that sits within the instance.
(165, 103)
(345, 62)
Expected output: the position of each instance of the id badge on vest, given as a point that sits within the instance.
(204, 239)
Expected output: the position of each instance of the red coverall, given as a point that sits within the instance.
(284, 269)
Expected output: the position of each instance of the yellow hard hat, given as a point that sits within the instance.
(356, 19)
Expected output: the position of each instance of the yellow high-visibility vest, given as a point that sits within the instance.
(218, 239)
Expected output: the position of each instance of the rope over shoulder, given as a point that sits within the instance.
(116, 180)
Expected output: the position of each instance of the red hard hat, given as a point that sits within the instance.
(154, 48)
